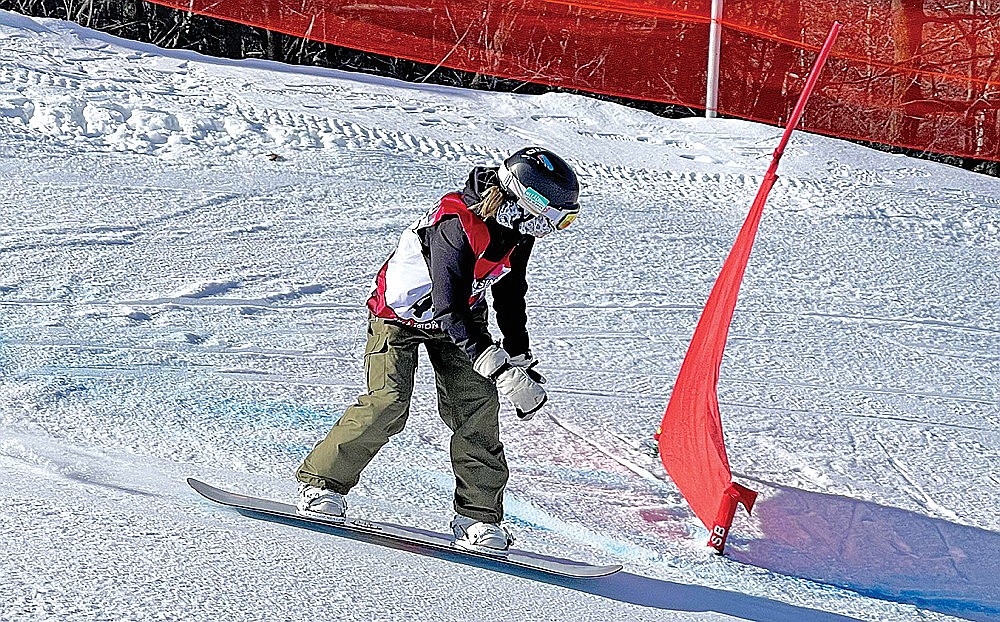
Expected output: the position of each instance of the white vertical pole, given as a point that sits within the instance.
(714, 48)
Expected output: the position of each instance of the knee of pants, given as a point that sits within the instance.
(385, 412)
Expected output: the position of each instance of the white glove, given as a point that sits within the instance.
(528, 362)
(514, 383)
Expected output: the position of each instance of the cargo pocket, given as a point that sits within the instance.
(376, 353)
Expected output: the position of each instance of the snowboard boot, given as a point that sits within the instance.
(474, 535)
(316, 500)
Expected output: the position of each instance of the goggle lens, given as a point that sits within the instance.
(566, 221)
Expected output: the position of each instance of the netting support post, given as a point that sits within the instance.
(714, 51)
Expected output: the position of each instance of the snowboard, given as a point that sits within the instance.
(400, 536)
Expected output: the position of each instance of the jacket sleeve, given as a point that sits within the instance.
(509, 303)
(451, 262)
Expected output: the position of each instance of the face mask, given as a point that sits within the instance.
(537, 226)
(511, 215)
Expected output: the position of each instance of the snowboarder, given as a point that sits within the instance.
(431, 291)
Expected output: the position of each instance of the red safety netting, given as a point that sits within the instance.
(914, 73)
(640, 49)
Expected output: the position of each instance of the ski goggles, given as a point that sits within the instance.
(534, 203)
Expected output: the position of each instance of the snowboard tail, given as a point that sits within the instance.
(398, 536)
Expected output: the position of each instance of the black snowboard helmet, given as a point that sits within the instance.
(543, 184)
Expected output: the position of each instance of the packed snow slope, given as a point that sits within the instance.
(186, 248)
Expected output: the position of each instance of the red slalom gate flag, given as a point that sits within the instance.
(692, 446)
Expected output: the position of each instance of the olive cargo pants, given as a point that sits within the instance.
(467, 402)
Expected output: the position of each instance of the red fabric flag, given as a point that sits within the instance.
(690, 437)
(692, 446)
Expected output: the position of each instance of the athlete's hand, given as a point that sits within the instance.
(528, 363)
(513, 382)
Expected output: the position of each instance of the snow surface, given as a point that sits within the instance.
(186, 249)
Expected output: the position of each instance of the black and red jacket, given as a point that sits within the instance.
(438, 276)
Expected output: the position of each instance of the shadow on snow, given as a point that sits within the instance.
(622, 586)
(878, 551)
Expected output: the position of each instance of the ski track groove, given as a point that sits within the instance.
(312, 131)
(107, 235)
(259, 375)
(916, 491)
(608, 452)
(668, 379)
(202, 350)
(267, 304)
(881, 418)
(657, 308)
